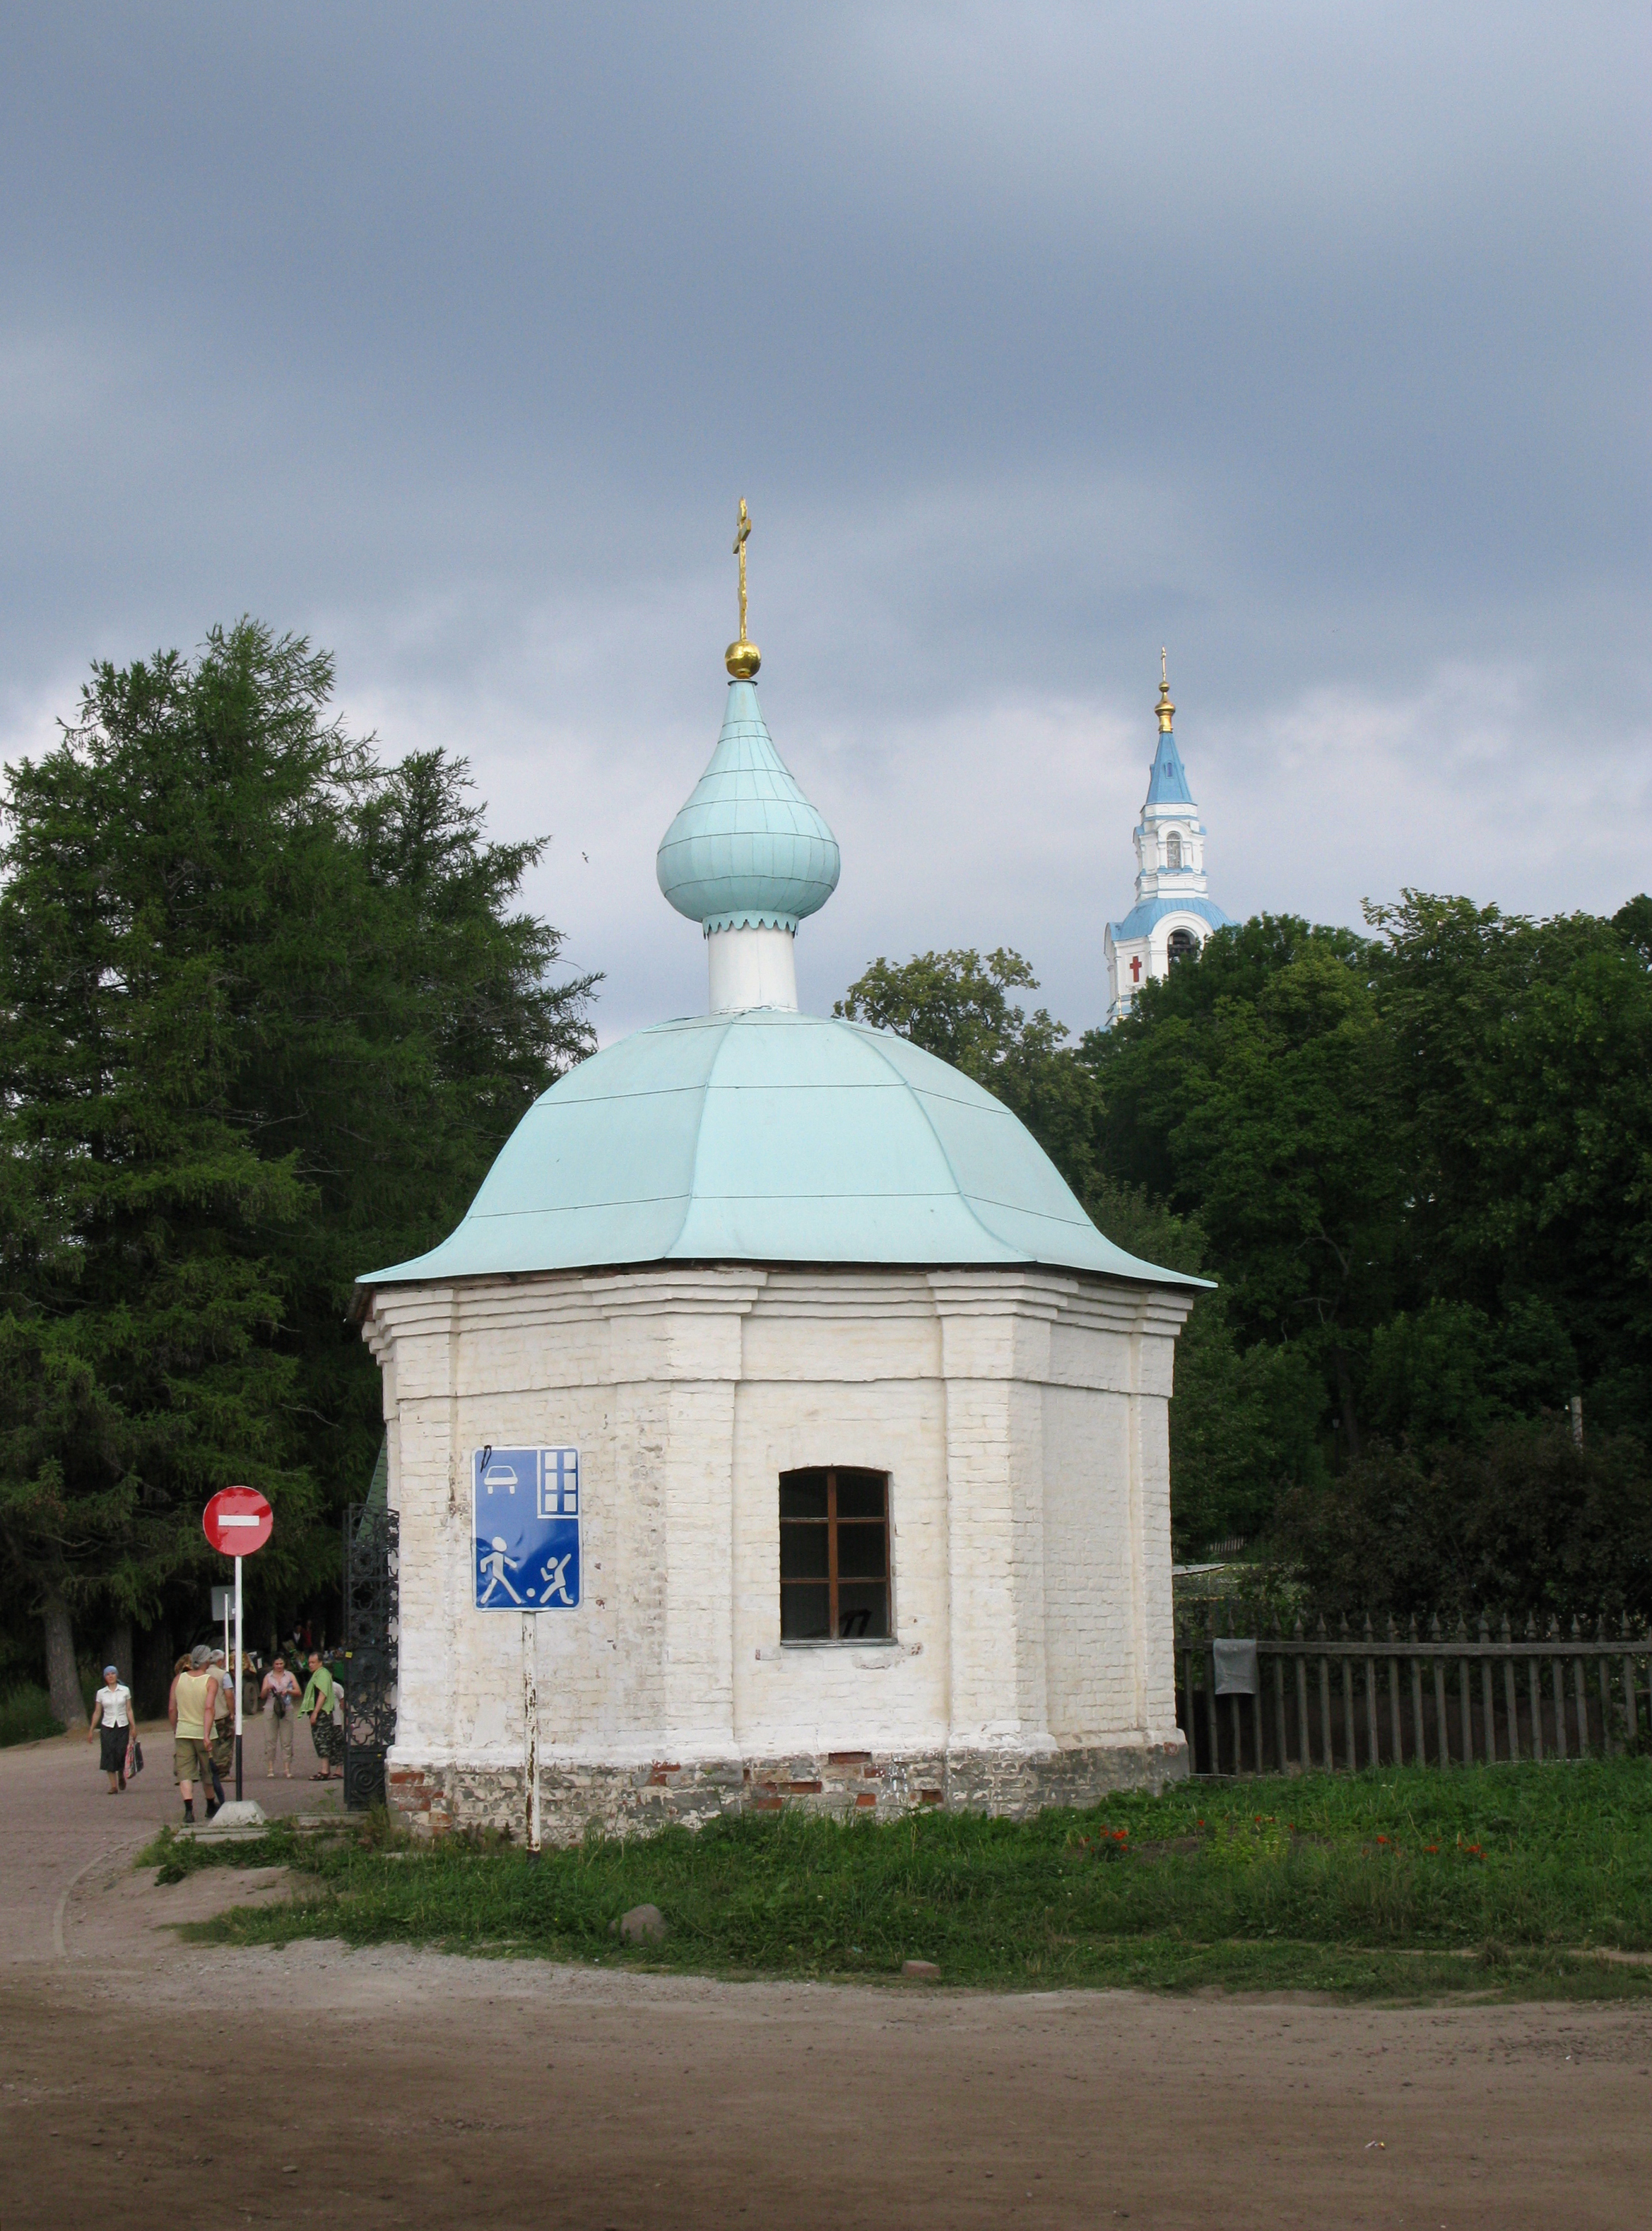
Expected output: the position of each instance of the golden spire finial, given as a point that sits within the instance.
(742, 658)
(1166, 710)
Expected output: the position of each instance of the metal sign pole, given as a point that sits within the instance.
(530, 1730)
(239, 1683)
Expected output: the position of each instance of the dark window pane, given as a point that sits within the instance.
(805, 1612)
(803, 1494)
(803, 1553)
(860, 1554)
(862, 1611)
(859, 1495)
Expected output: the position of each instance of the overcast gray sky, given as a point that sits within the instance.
(1309, 341)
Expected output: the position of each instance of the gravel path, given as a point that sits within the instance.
(385, 2087)
(56, 1816)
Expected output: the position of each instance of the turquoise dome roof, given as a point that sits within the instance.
(748, 850)
(769, 1137)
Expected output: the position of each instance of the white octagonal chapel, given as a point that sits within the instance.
(869, 1421)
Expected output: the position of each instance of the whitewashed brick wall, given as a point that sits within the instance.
(1021, 1417)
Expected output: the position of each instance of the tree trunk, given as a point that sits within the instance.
(155, 1671)
(1345, 1388)
(117, 1651)
(61, 1679)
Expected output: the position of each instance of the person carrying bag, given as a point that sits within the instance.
(278, 1694)
(111, 1724)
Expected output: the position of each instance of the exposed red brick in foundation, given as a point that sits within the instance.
(433, 1800)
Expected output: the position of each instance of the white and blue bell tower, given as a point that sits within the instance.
(1174, 913)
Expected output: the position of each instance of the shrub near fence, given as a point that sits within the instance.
(1337, 1701)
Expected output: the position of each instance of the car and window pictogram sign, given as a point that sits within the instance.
(525, 1549)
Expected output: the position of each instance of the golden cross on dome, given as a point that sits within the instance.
(742, 658)
(742, 535)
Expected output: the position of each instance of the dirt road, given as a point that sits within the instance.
(379, 2088)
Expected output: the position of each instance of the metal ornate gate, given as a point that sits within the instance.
(371, 1559)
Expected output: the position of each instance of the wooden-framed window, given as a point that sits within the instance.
(835, 1556)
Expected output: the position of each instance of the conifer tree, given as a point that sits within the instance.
(267, 1012)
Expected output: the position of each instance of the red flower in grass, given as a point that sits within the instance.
(1430, 1847)
(1382, 1840)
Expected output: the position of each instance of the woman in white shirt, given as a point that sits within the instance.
(112, 1719)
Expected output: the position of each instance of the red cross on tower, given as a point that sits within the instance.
(1135, 967)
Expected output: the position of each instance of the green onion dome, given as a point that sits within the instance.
(747, 851)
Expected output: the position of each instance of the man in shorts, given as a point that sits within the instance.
(319, 1704)
(190, 1708)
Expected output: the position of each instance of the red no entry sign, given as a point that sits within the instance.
(237, 1521)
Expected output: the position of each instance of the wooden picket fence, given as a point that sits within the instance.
(1337, 1701)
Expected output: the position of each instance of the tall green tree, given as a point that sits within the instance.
(1253, 1088)
(1417, 1160)
(266, 1011)
(959, 1006)
(1523, 1050)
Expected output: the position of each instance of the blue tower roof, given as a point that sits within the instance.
(1167, 785)
(747, 851)
(1145, 912)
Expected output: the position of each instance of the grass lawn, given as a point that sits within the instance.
(1409, 1884)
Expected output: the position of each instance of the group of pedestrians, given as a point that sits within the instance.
(201, 1709)
(321, 1704)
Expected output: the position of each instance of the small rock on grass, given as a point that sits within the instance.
(643, 1925)
(922, 1972)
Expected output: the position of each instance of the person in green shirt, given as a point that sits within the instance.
(318, 1704)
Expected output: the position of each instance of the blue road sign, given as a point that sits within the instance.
(525, 1553)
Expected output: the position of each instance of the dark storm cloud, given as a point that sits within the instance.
(1311, 340)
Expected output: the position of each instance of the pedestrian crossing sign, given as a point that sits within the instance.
(525, 1545)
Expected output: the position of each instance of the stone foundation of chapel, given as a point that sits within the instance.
(840, 1784)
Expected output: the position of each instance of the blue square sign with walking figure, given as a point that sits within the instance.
(527, 1546)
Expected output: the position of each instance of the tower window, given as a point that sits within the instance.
(834, 1556)
(1173, 849)
(1183, 945)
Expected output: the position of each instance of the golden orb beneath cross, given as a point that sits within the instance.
(742, 659)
